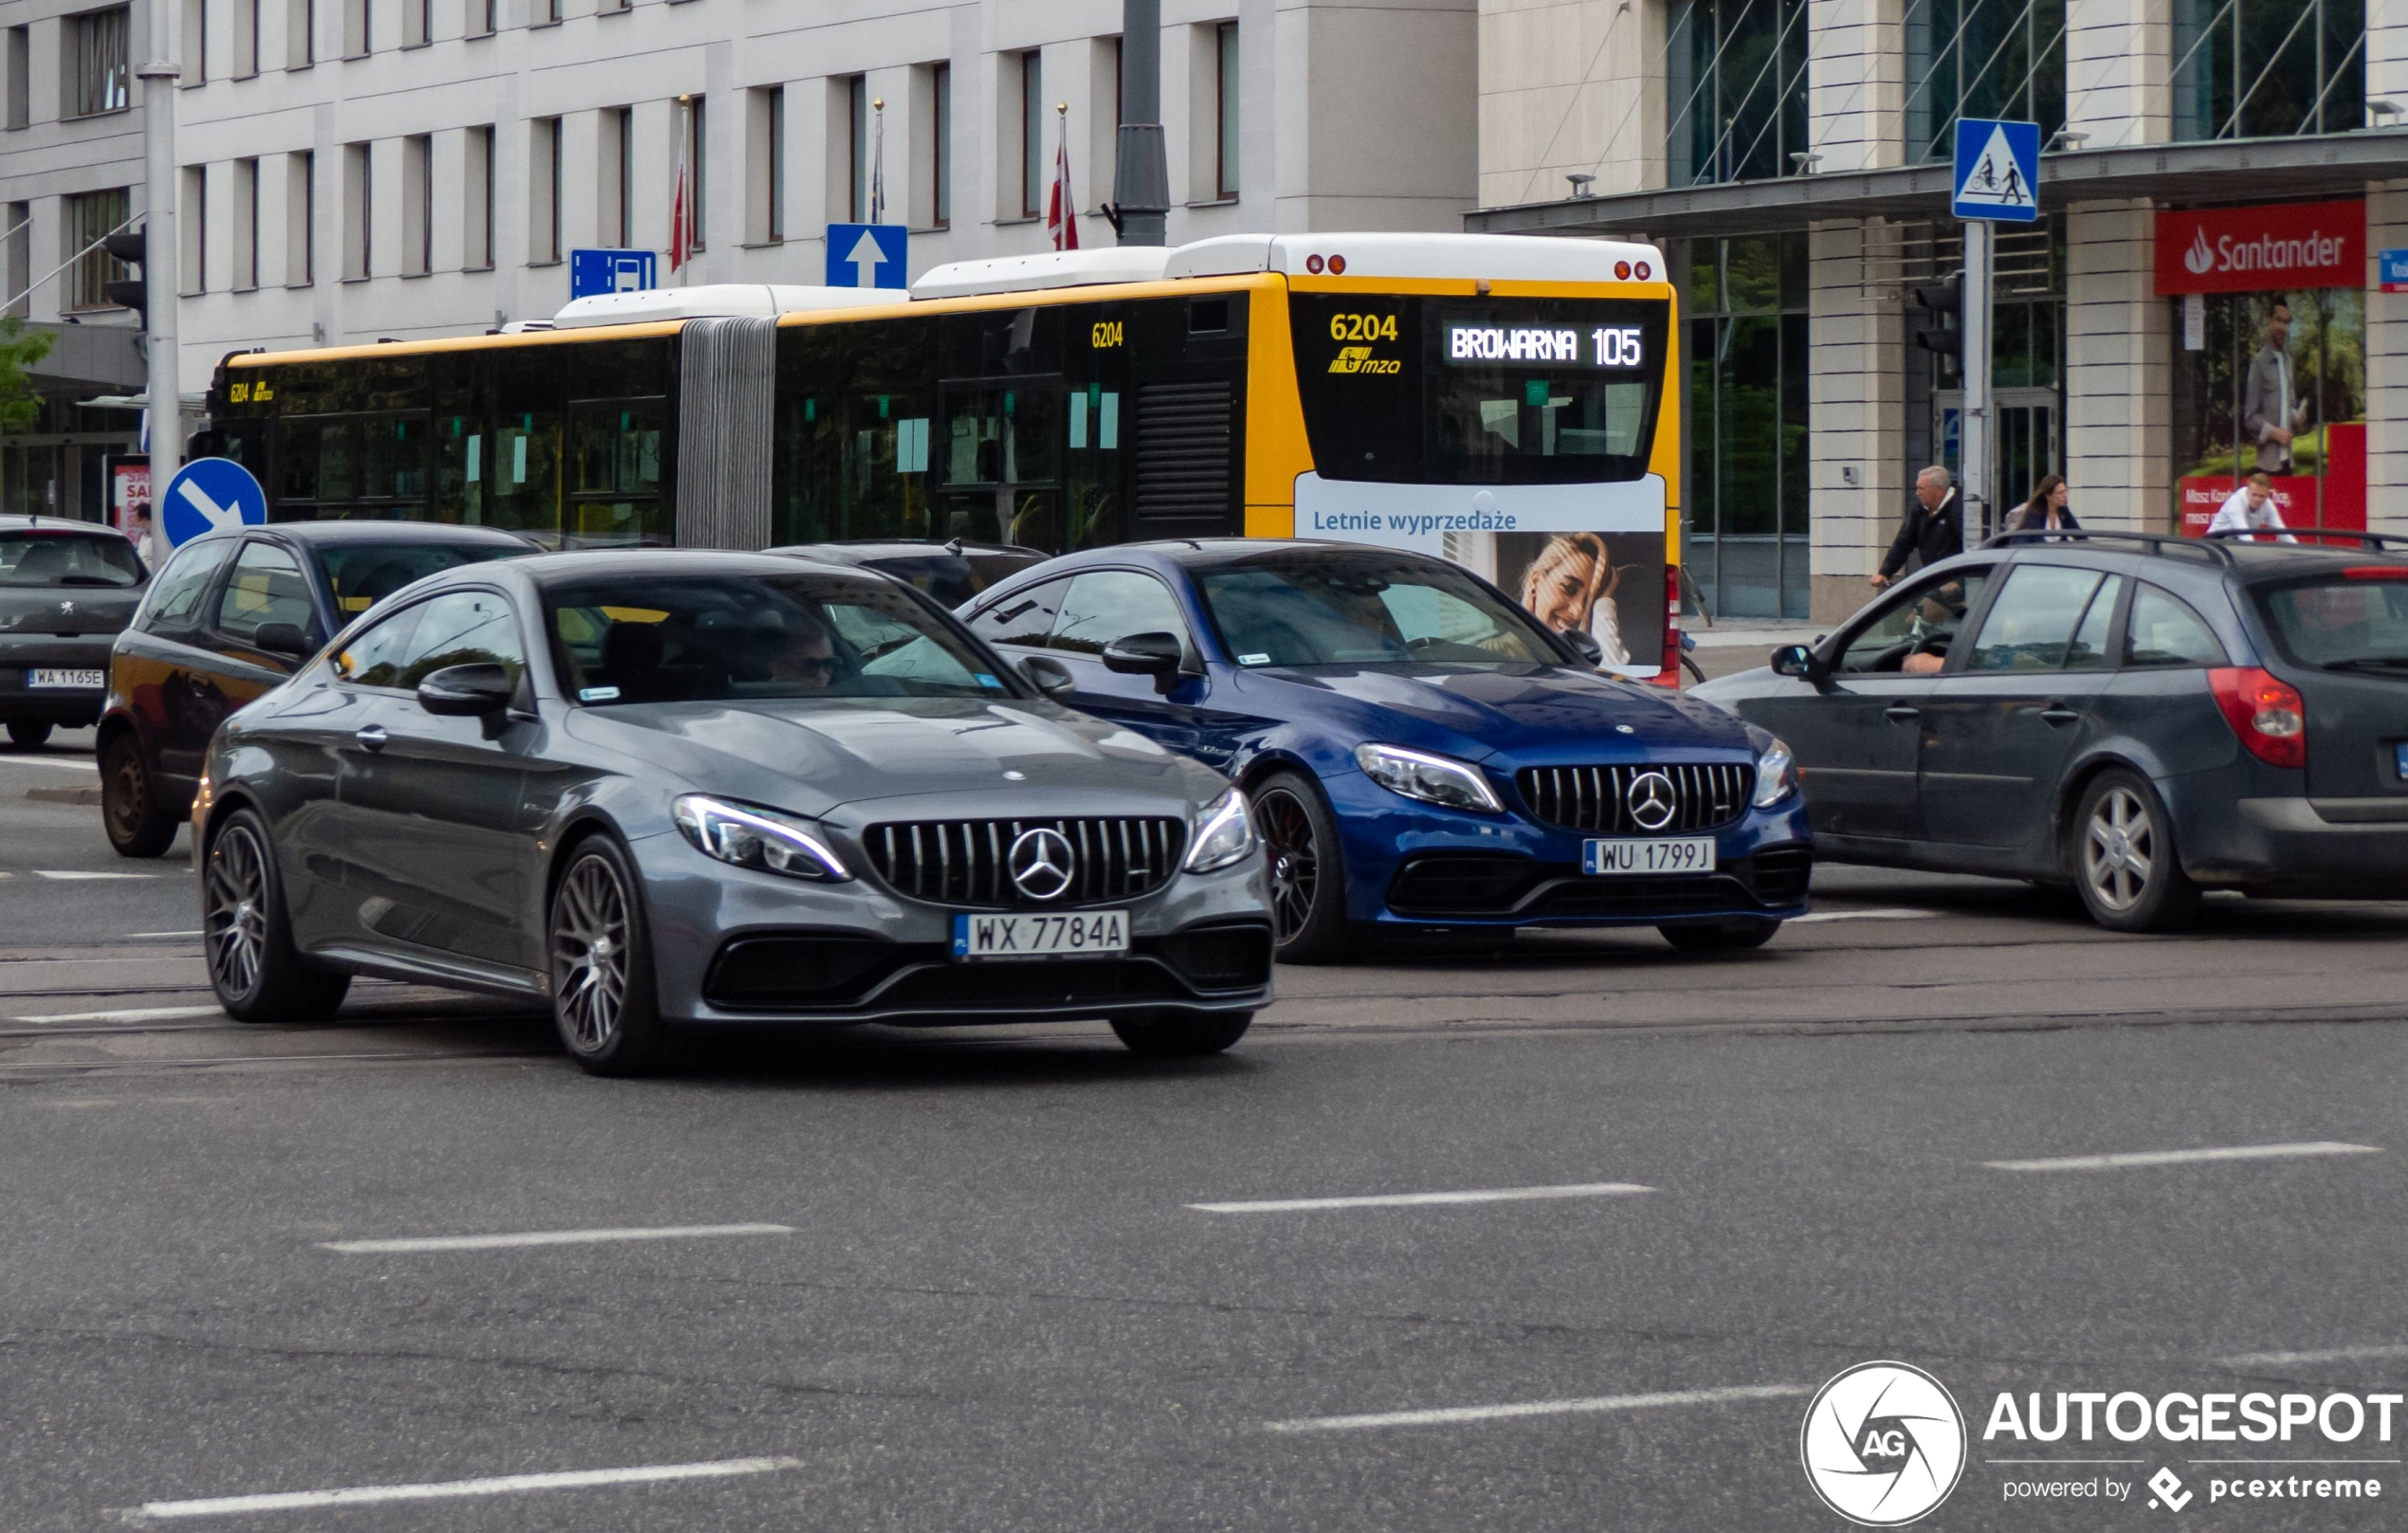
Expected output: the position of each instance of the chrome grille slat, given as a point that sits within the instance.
(965, 861)
(1706, 795)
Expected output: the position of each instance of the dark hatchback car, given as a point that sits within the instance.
(2140, 716)
(947, 574)
(66, 588)
(230, 616)
(1420, 752)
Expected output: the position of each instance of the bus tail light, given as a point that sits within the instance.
(1669, 674)
(2266, 712)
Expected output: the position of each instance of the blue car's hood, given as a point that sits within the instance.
(1531, 713)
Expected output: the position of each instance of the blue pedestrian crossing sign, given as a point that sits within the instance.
(206, 494)
(869, 255)
(1998, 174)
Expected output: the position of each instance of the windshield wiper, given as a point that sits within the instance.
(2369, 662)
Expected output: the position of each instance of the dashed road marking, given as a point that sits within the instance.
(1499, 1194)
(454, 1490)
(553, 1237)
(2175, 1158)
(1452, 1416)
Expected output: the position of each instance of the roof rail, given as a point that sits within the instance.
(2156, 542)
(2381, 542)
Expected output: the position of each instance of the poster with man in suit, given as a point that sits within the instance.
(2271, 411)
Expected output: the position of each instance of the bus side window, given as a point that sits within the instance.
(617, 463)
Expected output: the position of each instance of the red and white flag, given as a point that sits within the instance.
(1062, 209)
(680, 245)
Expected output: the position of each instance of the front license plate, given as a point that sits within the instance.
(1072, 934)
(1671, 854)
(65, 678)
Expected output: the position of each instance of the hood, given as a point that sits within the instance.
(62, 609)
(1531, 713)
(812, 758)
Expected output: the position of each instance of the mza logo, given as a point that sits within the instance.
(1882, 1444)
(1358, 359)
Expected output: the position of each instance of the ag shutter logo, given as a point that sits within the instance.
(1884, 1444)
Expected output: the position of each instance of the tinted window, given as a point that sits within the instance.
(68, 559)
(1104, 604)
(678, 639)
(2030, 626)
(460, 628)
(2165, 631)
(266, 587)
(361, 575)
(373, 657)
(950, 580)
(2093, 643)
(2362, 624)
(1912, 635)
(1350, 610)
(1025, 617)
(175, 597)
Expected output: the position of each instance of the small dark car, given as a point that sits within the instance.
(947, 574)
(66, 588)
(2142, 717)
(230, 616)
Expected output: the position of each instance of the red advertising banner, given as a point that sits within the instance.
(2272, 248)
(2294, 498)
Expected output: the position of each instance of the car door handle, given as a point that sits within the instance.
(371, 736)
(2057, 714)
(1898, 713)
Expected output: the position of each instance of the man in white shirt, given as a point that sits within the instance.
(2251, 509)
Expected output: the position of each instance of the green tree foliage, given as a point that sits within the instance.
(20, 350)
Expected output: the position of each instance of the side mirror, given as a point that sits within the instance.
(1050, 677)
(1798, 661)
(1158, 655)
(480, 691)
(1584, 643)
(283, 639)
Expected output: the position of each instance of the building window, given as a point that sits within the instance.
(356, 22)
(941, 146)
(358, 211)
(191, 229)
(300, 218)
(246, 275)
(616, 150)
(195, 40)
(18, 241)
(1032, 133)
(417, 22)
(1737, 98)
(856, 150)
(476, 246)
(417, 204)
(547, 12)
(2269, 68)
(766, 210)
(544, 176)
(301, 33)
(1981, 59)
(88, 216)
(245, 38)
(20, 81)
(697, 171)
(98, 78)
(485, 17)
(1747, 540)
(1225, 179)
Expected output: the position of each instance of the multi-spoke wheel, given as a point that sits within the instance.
(2127, 869)
(1307, 871)
(247, 934)
(137, 825)
(602, 995)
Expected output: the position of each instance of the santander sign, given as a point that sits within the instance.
(2261, 249)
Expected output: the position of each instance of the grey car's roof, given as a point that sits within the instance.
(63, 526)
(554, 569)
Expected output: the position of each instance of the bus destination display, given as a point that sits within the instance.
(1605, 346)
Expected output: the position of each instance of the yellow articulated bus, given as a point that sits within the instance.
(1499, 401)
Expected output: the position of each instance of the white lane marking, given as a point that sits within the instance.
(2175, 1157)
(1900, 914)
(555, 1238)
(1499, 1195)
(74, 876)
(137, 1013)
(451, 1490)
(162, 934)
(65, 763)
(2338, 1354)
(1499, 1413)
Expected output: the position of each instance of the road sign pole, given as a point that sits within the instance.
(159, 78)
(1973, 319)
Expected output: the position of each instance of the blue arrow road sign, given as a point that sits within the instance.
(592, 273)
(1997, 176)
(869, 255)
(206, 494)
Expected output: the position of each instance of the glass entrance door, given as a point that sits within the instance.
(2026, 444)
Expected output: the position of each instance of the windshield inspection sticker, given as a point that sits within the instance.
(1265, 660)
(596, 694)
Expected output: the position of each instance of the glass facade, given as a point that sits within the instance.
(1745, 534)
(1981, 59)
(1737, 91)
(2269, 68)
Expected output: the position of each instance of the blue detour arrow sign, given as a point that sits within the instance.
(208, 494)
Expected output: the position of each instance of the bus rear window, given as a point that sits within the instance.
(1479, 390)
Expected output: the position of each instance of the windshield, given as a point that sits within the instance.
(950, 580)
(2343, 623)
(649, 638)
(67, 559)
(1459, 391)
(1370, 609)
(362, 574)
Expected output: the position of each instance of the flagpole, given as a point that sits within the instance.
(680, 211)
(878, 160)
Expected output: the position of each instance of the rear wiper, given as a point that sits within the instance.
(2369, 662)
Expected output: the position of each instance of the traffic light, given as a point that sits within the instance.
(134, 292)
(1938, 317)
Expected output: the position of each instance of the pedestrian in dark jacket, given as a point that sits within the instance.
(1935, 525)
(2047, 511)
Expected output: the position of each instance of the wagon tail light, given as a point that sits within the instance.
(1671, 673)
(2266, 712)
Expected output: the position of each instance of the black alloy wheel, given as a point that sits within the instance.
(1186, 1037)
(1307, 871)
(246, 933)
(2126, 865)
(136, 824)
(29, 734)
(603, 1000)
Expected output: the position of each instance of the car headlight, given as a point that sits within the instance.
(1776, 775)
(1226, 836)
(1433, 779)
(756, 839)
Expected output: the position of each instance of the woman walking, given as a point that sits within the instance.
(2047, 510)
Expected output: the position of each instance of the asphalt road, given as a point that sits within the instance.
(960, 1281)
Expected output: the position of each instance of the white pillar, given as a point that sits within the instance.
(2118, 63)
(2119, 387)
(1855, 85)
(1857, 399)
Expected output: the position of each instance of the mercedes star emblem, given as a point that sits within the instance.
(1041, 861)
(1652, 803)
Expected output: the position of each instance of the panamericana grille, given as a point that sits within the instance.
(966, 862)
(1704, 795)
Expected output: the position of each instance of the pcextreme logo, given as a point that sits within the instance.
(1884, 1444)
(1358, 359)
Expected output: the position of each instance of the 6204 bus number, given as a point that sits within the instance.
(1362, 327)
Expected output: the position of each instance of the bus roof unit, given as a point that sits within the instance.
(1048, 268)
(1498, 257)
(744, 301)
